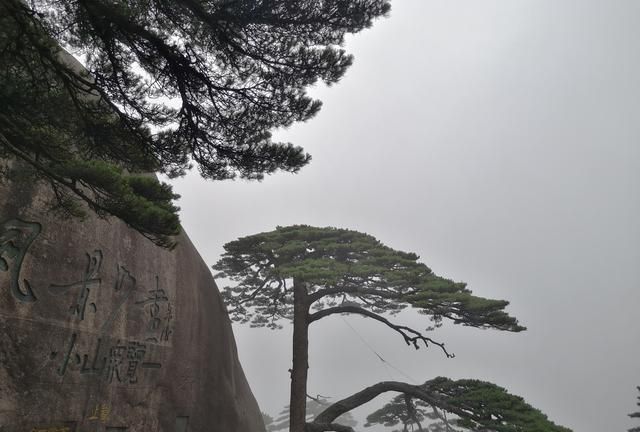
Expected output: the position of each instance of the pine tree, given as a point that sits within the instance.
(636, 415)
(165, 84)
(413, 414)
(302, 273)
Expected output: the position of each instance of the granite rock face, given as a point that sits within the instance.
(102, 331)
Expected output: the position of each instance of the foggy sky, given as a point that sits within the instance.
(499, 140)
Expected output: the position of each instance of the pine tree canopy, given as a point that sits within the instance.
(164, 85)
(477, 406)
(344, 271)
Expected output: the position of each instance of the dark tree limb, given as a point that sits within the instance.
(411, 336)
(254, 293)
(369, 393)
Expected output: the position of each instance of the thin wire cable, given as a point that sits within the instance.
(388, 370)
(384, 362)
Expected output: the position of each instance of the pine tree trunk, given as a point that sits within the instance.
(297, 419)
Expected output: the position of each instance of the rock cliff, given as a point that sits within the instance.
(102, 331)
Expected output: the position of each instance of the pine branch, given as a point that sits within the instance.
(355, 290)
(411, 336)
(369, 393)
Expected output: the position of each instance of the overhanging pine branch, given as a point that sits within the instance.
(411, 336)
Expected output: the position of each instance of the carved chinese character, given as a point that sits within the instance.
(124, 280)
(89, 282)
(15, 238)
(97, 364)
(167, 330)
(116, 359)
(62, 369)
(92, 365)
(124, 287)
(135, 356)
(159, 324)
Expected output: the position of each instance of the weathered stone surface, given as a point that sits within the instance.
(103, 331)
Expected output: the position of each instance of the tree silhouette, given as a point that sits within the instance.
(636, 415)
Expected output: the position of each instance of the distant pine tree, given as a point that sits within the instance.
(636, 415)
(314, 407)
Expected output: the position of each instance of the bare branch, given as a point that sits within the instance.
(319, 398)
(411, 336)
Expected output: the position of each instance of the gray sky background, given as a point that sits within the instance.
(499, 140)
